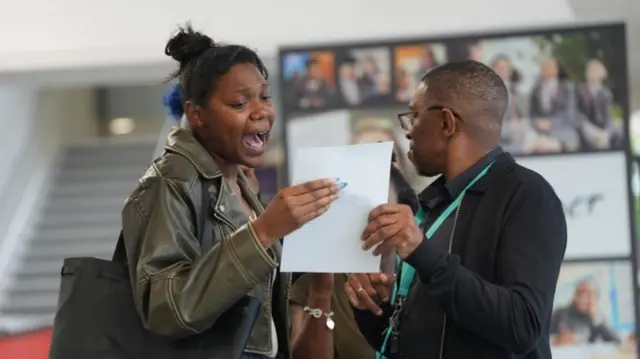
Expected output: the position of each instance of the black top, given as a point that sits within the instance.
(497, 285)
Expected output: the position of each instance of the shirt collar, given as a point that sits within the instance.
(433, 194)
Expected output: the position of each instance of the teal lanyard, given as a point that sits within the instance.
(408, 272)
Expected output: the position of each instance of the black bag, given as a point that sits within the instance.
(96, 316)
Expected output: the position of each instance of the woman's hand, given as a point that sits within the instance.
(293, 207)
(366, 290)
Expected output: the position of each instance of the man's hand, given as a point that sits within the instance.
(365, 291)
(392, 226)
(565, 337)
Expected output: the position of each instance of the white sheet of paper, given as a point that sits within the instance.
(331, 243)
(313, 131)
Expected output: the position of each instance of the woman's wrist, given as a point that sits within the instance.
(261, 233)
(320, 300)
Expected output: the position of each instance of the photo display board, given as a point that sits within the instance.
(567, 120)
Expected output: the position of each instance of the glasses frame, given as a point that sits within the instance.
(408, 119)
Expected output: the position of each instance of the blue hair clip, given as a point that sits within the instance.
(173, 102)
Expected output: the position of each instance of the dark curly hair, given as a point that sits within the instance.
(202, 62)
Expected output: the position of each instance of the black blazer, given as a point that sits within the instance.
(497, 285)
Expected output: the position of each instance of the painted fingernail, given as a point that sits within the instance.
(342, 185)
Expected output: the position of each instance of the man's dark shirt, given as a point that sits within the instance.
(433, 201)
(442, 285)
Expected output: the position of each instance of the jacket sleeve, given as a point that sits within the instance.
(513, 312)
(179, 290)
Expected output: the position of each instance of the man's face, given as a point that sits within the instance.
(427, 147)
(585, 297)
(314, 71)
(549, 69)
(347, 71)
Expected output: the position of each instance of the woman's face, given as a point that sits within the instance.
(368, 67)
(549, 69)
(595, 72)
(237, 119)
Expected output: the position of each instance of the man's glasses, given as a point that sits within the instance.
(408, 119)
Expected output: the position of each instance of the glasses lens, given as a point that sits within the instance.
(405, 121)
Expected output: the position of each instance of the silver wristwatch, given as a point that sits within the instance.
(319, 313)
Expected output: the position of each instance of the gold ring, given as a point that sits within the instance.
(361, 289)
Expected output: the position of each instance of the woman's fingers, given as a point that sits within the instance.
(358, 289)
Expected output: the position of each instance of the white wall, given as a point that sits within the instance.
(35, 123)
(42, 34)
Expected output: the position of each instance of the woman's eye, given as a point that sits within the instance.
(238, 105)
(266, 98)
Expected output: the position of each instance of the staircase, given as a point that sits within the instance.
(81, 217)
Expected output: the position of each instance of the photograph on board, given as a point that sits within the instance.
(411, 63)
(364, 76)
(594, 194)
(566, 91)
(308, 80)
(593, 315)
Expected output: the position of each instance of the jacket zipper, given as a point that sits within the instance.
(444, 323)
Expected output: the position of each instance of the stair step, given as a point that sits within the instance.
(91, 189)
(119, 173)
(55, 249)
(81, 218)
(80, 221)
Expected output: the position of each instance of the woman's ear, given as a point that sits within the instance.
(194, 115)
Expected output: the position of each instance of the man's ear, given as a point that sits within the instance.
(449, 123)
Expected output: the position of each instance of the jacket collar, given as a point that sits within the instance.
(181, 141)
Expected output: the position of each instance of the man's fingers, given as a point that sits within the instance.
(380, 236)
(378, 223)
(386, 246)
(383, 209)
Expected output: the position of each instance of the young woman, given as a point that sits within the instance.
(310, 336)
(179, 291)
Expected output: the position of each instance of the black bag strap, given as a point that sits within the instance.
(205, 235)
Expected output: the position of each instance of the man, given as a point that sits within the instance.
(349, 82)
(581, 322)
(485, 279)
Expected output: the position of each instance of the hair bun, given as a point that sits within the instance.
(187, 45)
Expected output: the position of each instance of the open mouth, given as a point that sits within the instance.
(256, 142)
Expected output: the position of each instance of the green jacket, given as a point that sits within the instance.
(178, 290)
